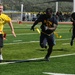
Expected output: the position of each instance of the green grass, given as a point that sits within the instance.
(22, 48)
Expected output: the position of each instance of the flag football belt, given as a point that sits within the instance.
(46, 33)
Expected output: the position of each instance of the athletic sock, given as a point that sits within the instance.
(1, 58)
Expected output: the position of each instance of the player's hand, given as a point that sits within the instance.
(32, 28)
(13, 33)
(46, 27)
(70, 30)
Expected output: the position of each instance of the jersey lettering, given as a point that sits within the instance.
(48, 23)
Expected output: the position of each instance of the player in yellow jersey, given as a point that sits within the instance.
(4, 19)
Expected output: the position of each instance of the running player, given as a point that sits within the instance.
(4, 19)
(73, 27)
(49, 25)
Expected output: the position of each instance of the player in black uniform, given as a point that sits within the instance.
(73, 27)
(49, 25)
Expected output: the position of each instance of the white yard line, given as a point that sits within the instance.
(63, 39)
(7, 63)
(30, 33)
(65, 43)
(41, 58)
(21, 41)
(23, 34)
(62, 55)
(49, 73)
(17, 40)
(56, 56)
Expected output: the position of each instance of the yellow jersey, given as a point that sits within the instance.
(3, 19)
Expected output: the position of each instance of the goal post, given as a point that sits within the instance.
(21, 11)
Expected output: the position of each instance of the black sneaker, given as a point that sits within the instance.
(71, 43)
(46, 59)
(45, 47)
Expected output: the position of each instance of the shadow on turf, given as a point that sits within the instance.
(62, 49)
(41, 49)
(21, 61)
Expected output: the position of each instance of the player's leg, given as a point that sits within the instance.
(43, 41)
(1, 45)
(48, 53)
(73, 36)
(51, 43)
(71, 43)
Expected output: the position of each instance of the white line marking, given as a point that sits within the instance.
(54, 56)
(23, 34)
(20, 42)
(17, 40)
(30, 33)
(62, 55)
(6, 63)
(64, 39)
(42, 58)
(65, 43)
(30, 42)
(49, 73)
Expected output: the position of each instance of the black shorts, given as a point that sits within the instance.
(49, 39)
(1, 40)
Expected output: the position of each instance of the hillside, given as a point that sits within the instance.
(36, 5)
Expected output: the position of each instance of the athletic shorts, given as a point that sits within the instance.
(50, 39)
(1, 40)
(73, 33)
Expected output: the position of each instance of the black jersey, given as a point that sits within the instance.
(73, 17)
(47, 22)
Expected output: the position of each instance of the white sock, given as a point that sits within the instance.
(1, 58)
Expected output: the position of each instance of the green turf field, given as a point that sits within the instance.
(26, 46)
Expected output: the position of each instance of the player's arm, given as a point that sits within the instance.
(72, 20)
(55, 24)
(12, 28)
(35, 23)
(70, 29)
(39, 19)
(53, 28)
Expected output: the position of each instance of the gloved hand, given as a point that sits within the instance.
(32, 28)
(46, 28)
(70, 29)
